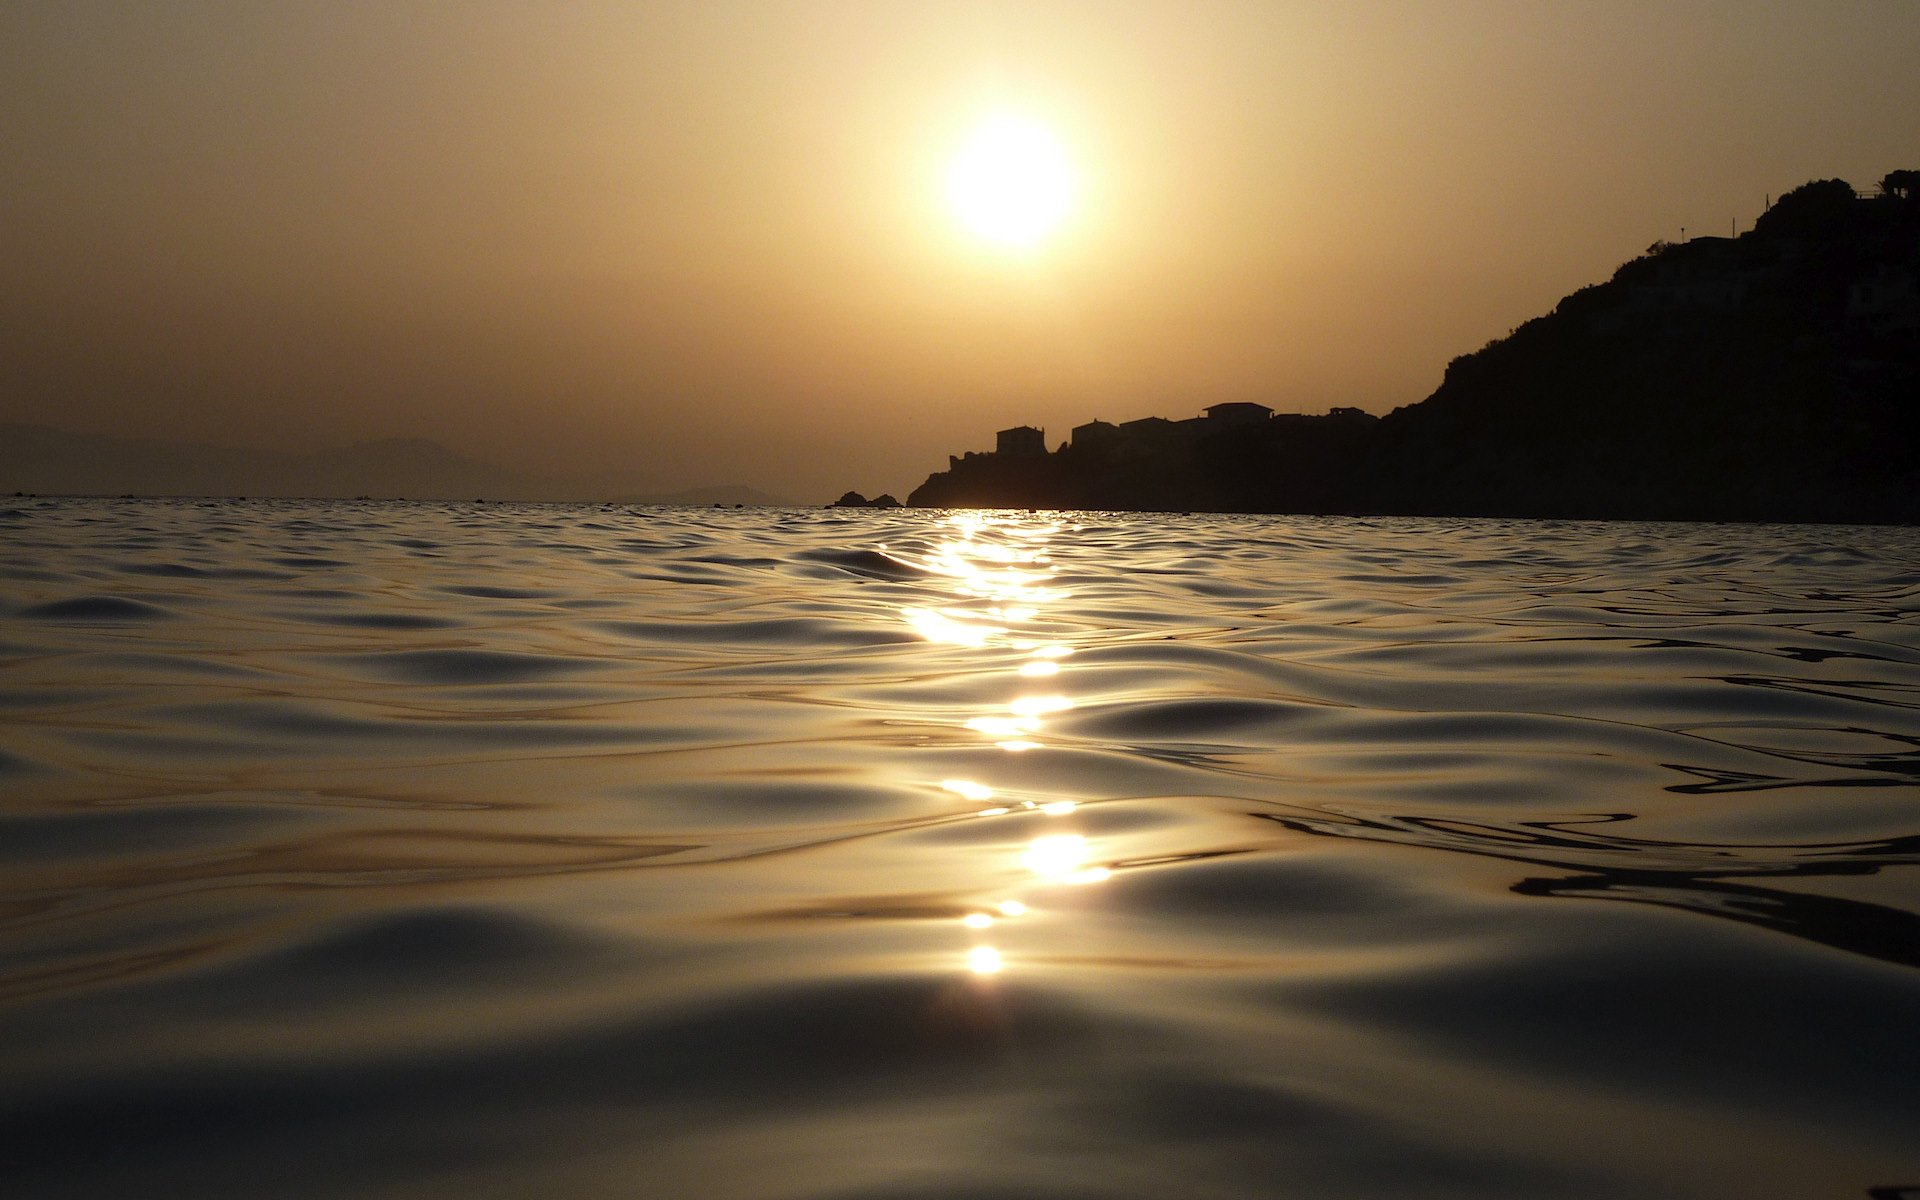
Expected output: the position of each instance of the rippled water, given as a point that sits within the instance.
(437, 851)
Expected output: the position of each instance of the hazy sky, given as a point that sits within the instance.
(712, 240)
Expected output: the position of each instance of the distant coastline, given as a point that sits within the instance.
(42, 460)
(1773, 376)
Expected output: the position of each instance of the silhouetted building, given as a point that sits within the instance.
(1146, 427)
(1236, 412)
(1350, 415)
(1095, 433)
(1022, 441)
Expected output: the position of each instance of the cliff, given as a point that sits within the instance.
(1773, 376)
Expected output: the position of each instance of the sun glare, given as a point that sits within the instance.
(1010, 183)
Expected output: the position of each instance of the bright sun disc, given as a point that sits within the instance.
(1010, 184)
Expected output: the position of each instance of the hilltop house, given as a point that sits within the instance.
(1022, 441)
(1236, 413)
(1095, 433)
(1146, 427)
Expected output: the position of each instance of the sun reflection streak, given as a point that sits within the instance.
(939, 627)
(1002, 726)
(999, 580)
(1038, 706)
(984, 960)
(1062, 858)
(1056, 855)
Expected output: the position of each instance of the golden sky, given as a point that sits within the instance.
(712, 241)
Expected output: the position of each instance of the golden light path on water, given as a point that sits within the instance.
(1001, 573)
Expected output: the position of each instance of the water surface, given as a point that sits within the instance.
(396, 850)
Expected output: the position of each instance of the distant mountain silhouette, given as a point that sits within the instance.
(1773, 376)
(41, 459)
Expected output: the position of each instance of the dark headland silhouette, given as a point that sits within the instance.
(1773, 376)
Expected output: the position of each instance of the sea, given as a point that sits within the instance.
(422, 850)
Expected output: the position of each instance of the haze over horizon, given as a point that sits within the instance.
(712, 242)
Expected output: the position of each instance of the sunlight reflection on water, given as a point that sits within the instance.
(1001, 568)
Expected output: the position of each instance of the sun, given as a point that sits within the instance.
(1010, 183)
